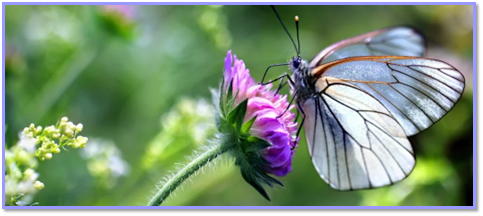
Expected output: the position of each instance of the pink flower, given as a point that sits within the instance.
(126, 11)
(118, 20)
(267, 106)
(239, 75)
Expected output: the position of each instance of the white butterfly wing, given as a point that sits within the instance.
(395, 41)
(353, 140)
(357, 127)
(416, 91)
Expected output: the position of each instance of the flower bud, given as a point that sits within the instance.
(56, 135)
(79, 127)
(69, 132)
(48, 156)
(81, 141)
(64, 119)
(39, 185)
(38, 129)
(28, 172)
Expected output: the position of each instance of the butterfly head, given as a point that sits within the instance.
(295, 63)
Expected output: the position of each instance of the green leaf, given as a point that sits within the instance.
(270, 179)
(254, 144)
(221, 96)
(229, 104)
(248, 125)
(229, 94)
(253, 182)
(229, 99)
(236, 116)
(251, 165)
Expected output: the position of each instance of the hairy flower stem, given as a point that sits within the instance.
(171, 185)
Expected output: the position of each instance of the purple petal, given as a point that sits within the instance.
(278, 157)
(280, 171)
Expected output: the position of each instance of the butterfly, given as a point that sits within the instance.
(362, 97)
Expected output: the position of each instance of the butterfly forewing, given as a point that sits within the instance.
(395, 41)
(354, 141)
(416, 91)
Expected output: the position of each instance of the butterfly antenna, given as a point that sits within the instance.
(279, 19)
(297, 26)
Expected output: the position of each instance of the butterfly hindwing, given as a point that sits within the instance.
(353, 140)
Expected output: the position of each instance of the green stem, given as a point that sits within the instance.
(187, 171)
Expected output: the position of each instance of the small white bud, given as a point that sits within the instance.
(39, 185)
(69, 132)
(48, 156)
(70, 125)
(64, 119)
(79, 127)
(28, 172)
(56, 135)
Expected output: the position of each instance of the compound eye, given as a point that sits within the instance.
(296, 63)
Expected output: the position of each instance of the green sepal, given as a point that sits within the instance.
(236, 116)
(221, 97)
(254, 183)
(229, 94)
(229, 104)
(255, 144)
(251, 162)
(268, 180)
(230, 90)
(255, 176)
(248, 125)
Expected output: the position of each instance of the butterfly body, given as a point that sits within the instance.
(303, 83)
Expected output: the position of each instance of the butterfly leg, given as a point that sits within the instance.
(281, 77)
(288, 107)
(276, 79)
(280, 86)
(266, 71)
(300, 110)
(291, 83)
(297, 116)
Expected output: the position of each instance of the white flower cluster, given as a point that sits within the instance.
(104, 162)
(21, 179)
(35, 144)
(52, 138)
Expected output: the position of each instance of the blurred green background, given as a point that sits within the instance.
(138, 77)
